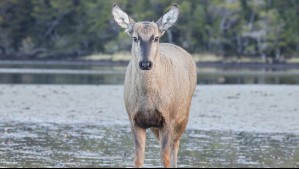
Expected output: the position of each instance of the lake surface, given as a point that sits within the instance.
(83, 145)
(46, 144)
(89, 74)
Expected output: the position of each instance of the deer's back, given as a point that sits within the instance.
(181, 60)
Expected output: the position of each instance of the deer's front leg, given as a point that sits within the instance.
(139, 140)
(174, 153)
(166, 142)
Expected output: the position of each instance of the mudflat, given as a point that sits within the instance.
(249, 108)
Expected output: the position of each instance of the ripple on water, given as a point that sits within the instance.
(58, 145)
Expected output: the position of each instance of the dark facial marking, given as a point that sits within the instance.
(146, 46)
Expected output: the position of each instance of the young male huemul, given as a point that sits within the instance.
(159, 85)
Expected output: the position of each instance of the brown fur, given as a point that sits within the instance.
(159, 98)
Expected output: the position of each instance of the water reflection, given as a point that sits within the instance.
(92, 74)
(57, 145)
(61, 79)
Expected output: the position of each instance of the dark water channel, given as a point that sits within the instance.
(88, 74)
(83, 145)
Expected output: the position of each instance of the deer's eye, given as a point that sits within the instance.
(156, 39)
(135, 39)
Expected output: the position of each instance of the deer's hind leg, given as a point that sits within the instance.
(156, 133)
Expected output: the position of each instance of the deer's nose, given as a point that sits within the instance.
(145, 65)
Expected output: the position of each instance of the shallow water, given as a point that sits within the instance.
(83, 145)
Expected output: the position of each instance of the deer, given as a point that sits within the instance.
(159, 83)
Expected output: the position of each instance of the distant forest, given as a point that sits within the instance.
(41, 29)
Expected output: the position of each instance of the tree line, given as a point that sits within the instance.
(41, 29)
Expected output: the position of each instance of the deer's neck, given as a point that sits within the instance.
(148, 81)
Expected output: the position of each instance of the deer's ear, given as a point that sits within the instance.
(122, 19)
(168, 19)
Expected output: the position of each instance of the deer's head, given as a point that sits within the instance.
(145, 35)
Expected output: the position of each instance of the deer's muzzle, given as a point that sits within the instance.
(145, 65)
